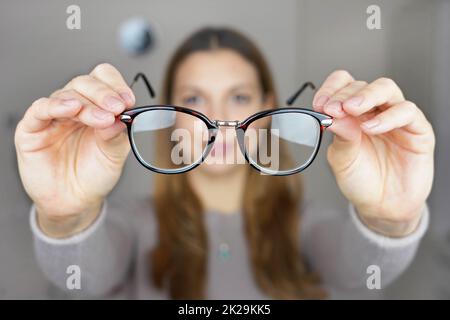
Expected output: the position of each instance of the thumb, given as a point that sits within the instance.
(113, 141)
(346, 142)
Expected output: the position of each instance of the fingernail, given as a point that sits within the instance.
(334, 108)
(370, 124)
(127, 98)
(71, 102)
(321, 101)
(101, 115)
(354, 102)
(114, 104)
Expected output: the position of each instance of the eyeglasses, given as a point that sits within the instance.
(172, 139)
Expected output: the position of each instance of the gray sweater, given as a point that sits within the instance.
(112, 254)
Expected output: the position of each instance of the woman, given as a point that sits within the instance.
(71, 149)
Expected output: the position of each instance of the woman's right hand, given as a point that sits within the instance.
(71, 149)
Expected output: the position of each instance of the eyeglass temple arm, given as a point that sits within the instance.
(289, 101)
(147, 83)
(294, 97)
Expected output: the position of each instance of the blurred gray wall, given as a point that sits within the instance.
(303, 40)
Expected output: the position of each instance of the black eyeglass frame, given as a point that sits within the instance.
(213, 126)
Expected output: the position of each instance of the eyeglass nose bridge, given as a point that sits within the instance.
(224, 123)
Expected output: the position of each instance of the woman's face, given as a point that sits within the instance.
(224, 86)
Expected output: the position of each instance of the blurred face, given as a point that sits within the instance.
(224, 86)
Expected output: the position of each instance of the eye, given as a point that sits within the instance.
(241, 99)
(192, 100)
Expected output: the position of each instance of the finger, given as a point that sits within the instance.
(343, 151)
(113, 141)
(381, 92)
(334, 82)
(90, 114)
(346, 143)
(97, 92)
(334, 105)
(404, 114)
(118, 127)
(346, 129)
(113, 78)
(44, 110)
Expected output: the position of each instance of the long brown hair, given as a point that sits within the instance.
(271, 207)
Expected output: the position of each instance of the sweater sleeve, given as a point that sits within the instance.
(93, 263)
(344, 252)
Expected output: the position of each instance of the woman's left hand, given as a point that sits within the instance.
(382, 152)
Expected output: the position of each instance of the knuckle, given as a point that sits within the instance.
(325, 90)
(57, 93)
(78, 80)
(40, 102)
(104, 92)
(340, 96)
(65, 94)
(428, 139)
(384, 81)
(341, 73)
(359, 83)
(17, 132)
(411, 106)
(371, 89)
(431, 136)
(103, 67)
